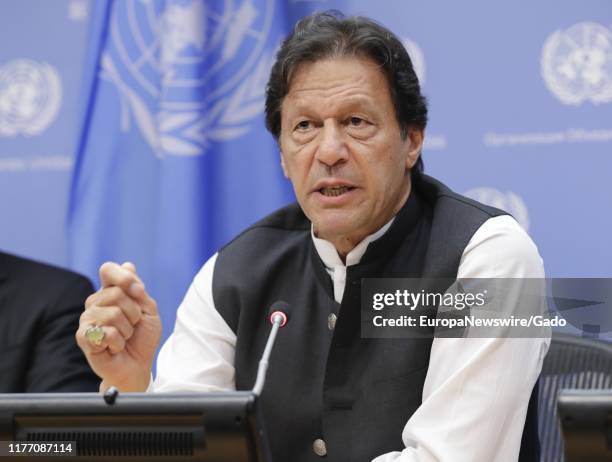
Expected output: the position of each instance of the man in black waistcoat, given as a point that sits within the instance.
(345, 106)
(40, 307)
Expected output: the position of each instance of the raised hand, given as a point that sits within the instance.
(120, 329)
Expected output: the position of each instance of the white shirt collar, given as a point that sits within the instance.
(328, 253)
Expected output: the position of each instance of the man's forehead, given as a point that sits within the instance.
(351, 80)
(301, 102)
(335, 68)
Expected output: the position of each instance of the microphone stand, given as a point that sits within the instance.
(277, 319)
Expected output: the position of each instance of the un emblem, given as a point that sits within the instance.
(508, 201)
(577, 64)
(189, 72)
(30, 97)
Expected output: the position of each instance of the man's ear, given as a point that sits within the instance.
(414, 142)
(283, 166)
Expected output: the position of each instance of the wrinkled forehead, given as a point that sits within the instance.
(345, 79)
(332, 63)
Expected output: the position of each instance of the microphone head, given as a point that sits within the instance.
(279, 309)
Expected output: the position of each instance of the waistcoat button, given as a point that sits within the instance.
(319, 447)
(331, 321)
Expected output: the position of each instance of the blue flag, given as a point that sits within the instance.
(174, 158)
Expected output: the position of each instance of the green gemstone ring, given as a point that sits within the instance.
(95, 334)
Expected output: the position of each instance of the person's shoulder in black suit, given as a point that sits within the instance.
(40, 307)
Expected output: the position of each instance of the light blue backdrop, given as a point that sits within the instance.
(133, 130)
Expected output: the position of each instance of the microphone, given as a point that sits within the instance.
(278, 318)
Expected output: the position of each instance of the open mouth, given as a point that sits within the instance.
(335, 191)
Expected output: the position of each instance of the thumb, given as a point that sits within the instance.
(131, 267)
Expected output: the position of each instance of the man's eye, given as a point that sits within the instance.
(356, 121)
(302, 125)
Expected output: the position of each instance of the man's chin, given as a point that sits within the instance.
(334, 229)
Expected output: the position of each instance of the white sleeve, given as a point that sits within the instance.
(199, 355)
(477, 390)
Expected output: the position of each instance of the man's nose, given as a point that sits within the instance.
(332, 148)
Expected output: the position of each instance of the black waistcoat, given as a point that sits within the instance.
(356, 394)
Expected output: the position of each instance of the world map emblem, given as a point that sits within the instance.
(507, 201)
(576, 64)
(189, 72)
(30, 97)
